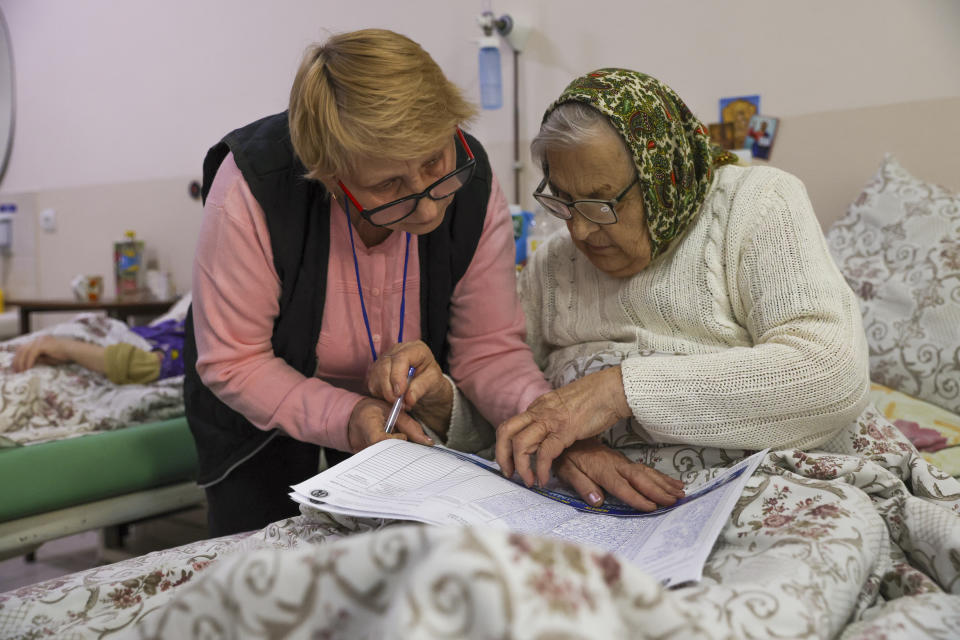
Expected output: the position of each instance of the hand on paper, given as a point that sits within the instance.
(554, 421)
(429, 395)
(366, 425)
(591, 467)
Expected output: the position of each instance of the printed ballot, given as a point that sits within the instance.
(408, 481)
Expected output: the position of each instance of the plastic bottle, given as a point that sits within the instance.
(521, 228)
(491, 91)
(128, 261)
(542, 226)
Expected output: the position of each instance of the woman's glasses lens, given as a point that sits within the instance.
(443, 189)
(452, 183)
(396, 212)
(599, 212)
(552, 206)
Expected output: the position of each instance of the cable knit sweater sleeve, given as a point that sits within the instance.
(805, 374)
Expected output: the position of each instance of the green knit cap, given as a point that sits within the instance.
(670, 147)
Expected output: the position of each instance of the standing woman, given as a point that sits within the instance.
(357, 235)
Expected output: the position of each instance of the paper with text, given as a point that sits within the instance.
(408, 481)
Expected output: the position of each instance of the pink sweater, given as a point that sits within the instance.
(235, 300)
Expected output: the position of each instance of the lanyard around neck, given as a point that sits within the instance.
(356, 270)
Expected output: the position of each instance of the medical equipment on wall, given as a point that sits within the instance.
(491, 83)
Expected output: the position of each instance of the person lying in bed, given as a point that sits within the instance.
(121, 363)
(692, 301)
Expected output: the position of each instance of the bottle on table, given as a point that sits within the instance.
(129, 267)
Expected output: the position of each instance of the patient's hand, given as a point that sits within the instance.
(553, 422)
(591, 468)
(429, 396)
(43, 350)
(367, 420)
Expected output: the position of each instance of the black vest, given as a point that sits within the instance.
(298, 218)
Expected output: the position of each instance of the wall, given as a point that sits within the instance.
(117, 100)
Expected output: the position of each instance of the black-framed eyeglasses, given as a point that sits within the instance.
(596, 211)
(397, 210)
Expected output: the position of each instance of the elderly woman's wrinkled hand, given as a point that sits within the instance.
(591, 467)
(554, 421)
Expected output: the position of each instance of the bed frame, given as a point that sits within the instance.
(99, 480)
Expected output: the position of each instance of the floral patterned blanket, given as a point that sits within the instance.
(858, 540)
(54, 402)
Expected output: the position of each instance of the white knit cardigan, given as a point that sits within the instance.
(770, 349)
(761, 337)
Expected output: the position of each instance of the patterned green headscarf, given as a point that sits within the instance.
(670, 147)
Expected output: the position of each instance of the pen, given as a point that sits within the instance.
(395, 411)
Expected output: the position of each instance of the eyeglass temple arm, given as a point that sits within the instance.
(349, 195)
(464, 142)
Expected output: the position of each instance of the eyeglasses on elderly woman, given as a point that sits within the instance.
(596, 211)
(396, 210)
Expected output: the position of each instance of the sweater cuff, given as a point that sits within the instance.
(469, 431)
(126, 364)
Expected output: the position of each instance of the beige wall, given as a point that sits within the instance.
(90, 219)
(837, 152)
(117, 100)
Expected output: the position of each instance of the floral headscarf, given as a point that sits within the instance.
(670, 147)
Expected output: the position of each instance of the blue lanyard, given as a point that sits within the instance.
(356, 270)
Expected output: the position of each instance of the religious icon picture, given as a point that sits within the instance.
(722, 134)
(739, 111)
(760, 134)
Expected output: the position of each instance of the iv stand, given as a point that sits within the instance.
(516, 36)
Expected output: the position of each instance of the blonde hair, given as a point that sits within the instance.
(371, 92)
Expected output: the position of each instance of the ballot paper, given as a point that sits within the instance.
(408, 481)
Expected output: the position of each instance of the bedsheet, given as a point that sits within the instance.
(858, 540)
(927, 423)
(49, 403)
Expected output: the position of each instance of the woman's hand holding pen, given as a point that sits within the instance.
(366, 425)
(428, 396)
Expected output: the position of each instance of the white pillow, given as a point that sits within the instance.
(178, 311)
(899, 248)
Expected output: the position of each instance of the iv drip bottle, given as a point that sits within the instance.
(491, 91)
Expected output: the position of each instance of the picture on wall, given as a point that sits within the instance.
(722, 134)
(760, 134)
(739, 110)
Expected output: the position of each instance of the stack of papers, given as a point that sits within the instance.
(408, 481)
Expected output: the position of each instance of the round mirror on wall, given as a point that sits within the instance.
(6, 95)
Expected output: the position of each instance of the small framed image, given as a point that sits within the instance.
(760, 135)
(739, 110)
(722, 134)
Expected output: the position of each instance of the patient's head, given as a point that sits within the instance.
(626, 141)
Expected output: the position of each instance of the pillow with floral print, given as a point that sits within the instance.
(899, 248)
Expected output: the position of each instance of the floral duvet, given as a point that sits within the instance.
(860, 539)
(54, 402)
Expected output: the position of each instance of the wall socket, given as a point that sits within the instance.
(48, 220)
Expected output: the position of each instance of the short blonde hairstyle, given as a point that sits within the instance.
(371, 92)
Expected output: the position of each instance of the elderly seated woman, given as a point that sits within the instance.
(692, 301)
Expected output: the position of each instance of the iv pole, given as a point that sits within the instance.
(516, 36)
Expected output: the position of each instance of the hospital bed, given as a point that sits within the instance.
(100, 480)
(81, 453)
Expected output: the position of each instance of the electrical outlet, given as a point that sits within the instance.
(48, 220)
